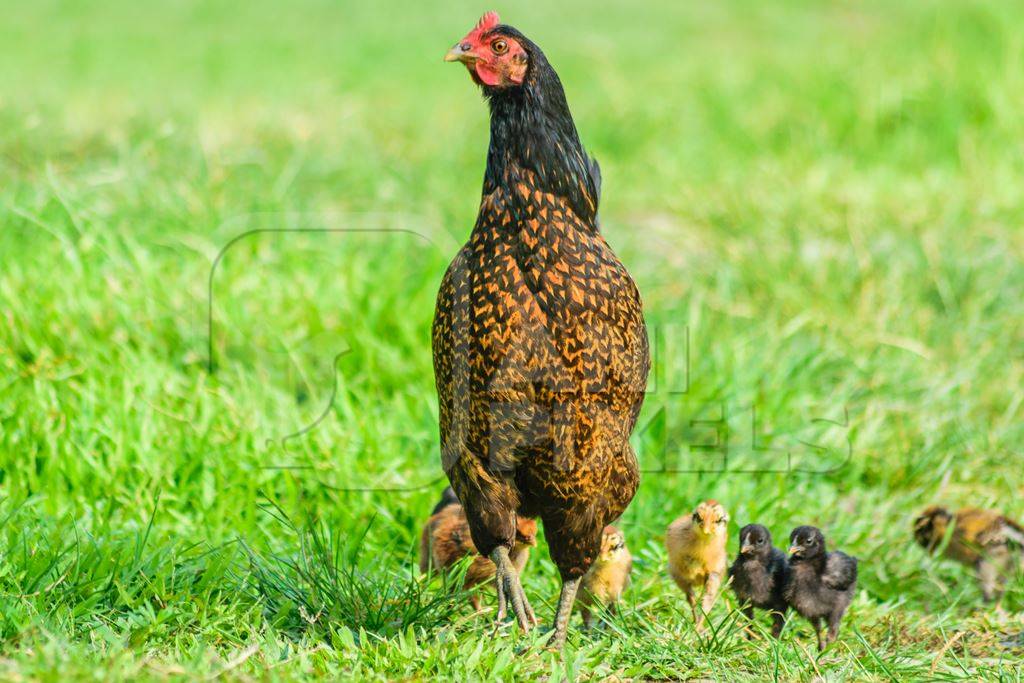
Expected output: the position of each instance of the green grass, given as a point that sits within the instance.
(821, 203)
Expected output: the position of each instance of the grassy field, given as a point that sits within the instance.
(222, 227)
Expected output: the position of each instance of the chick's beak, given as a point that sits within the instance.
(794, 550)
(459, 53)
(745, 548)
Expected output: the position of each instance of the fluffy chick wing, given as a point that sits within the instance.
(840, 571)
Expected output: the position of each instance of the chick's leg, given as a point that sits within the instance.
(748, 612)
(778, 622)
(833, 628)
(711, 586)
(588, 618)
(991, 577)
(510, 590)
(691, 597)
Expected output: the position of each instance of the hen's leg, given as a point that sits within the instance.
(490, 504)
(564, 611)
(510, 589)
(574, 539)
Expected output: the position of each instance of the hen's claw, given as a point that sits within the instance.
(510, 589)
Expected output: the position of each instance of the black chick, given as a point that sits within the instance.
(821, 584)
(759, 575)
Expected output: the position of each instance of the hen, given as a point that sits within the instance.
(540, 349)
(821, 584)
(982, 539)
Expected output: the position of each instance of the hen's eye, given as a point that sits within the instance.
(499, 46)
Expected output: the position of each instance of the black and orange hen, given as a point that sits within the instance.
(540, 349)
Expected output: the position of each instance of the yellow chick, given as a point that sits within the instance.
(696, 555)
(608, 577)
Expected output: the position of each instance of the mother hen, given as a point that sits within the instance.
(540, 349)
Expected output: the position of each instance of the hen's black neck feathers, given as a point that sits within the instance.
(532, 133)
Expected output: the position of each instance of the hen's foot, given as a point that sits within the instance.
(511, 590)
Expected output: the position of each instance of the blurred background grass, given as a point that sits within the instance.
(821, 205)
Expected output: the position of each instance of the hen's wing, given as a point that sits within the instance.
(840, 571)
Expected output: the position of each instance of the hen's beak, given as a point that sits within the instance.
(459, 53)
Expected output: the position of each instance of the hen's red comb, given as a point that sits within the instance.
(488, 21)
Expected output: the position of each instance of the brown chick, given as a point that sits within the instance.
(608, 577)
(981, 539)
(446, 540)
(696, 555)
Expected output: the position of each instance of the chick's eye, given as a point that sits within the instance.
(499, 47)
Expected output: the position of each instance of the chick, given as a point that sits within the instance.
(446, 540)
(759, 575)
(608, 577)
(982, 539)
(821, 584)
(696, 555)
